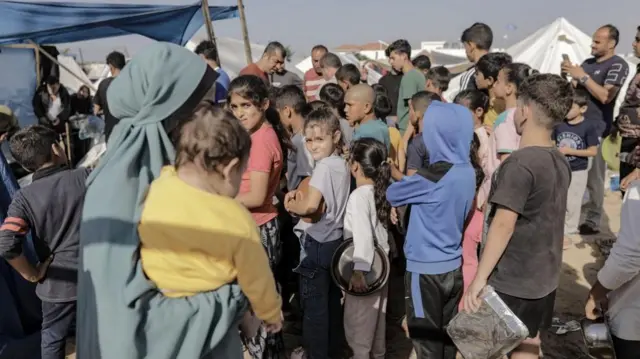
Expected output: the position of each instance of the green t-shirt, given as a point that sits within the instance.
(376, 129)
(412, 82)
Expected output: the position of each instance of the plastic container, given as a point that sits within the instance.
(490, 333)
(614, 183)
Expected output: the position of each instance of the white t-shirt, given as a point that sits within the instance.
(361, 223)
(55, 108)
(331, 176)
(621, 271)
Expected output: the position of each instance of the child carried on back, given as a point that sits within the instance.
(195, 237)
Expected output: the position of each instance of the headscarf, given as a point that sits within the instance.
(121, 314)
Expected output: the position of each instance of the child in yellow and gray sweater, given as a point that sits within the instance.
(195, 236)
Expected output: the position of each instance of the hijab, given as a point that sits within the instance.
(121, 314)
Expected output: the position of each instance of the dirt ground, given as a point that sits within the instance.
(581, 263)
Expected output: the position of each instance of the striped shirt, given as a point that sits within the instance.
(468, 79)
(312, 84)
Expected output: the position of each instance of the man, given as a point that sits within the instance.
(116, 62)
(348, 76)
(208, 52)
(272, 59)
(330, 63)
(52, 104)
(413, 80)
(477, 41)
(313, 79)
(602, 75)
(281, 77)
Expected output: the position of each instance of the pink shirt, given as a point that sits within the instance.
(265, 156)
(505, 139)
(483, 153)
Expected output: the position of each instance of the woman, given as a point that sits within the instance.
(81, 102)
(121, 314)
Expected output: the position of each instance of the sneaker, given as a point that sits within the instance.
(587, 229)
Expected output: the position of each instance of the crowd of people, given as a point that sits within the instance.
(218, 200)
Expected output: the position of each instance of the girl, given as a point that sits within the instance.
(333, 95)
(367, 221)
(478, 103)
(329, 184)
(248, 100)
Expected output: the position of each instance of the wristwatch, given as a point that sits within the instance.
(583, 80)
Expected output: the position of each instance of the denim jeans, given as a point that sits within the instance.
(57, 320)
(322, 329)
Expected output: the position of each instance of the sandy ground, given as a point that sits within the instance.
(581, 264)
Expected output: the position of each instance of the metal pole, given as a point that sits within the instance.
(245, 33)
(209, 25)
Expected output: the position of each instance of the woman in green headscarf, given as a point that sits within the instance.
(121, 314)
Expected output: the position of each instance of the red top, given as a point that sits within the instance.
(253, 69)
(312, 84)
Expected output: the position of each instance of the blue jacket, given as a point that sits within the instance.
(442, 195)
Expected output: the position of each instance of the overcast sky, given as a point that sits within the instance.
(304, 23)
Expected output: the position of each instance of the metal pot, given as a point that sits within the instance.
(597, 338)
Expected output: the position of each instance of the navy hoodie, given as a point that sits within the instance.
(442, 196)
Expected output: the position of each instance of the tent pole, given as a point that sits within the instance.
(55, 61)
(209, 24)
(245, 33)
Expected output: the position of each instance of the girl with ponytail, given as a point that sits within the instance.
(366, 221)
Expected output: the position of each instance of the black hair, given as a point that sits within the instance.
(52, 80)
(491, 64)
(421, 100)
(252, 88)
(314, 105)
(371, 155)
(518, 72)
(327, 119)
(580, 96)
(551, 96)
(440, 77)
(614, 33)
(320, 48)
(480, 34)
(207, 49)
(333, 95)
(291, 96)
(348, 73)
(421, 62)
(330, 60)
(401, 46)
(475, 160)
(382, 106)
(379, 89)
(116, 59)
(476, 98)
(32, 146)
(273, 47)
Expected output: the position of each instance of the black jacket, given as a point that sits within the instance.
(41, 106)
(51, 208)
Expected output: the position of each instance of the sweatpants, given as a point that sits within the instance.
(595, 185)
(431, 302)
(365, 324)
(575, 195)
(57, 320)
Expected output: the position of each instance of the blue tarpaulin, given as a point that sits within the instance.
(55, 23)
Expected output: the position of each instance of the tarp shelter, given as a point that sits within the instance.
(53, 23)
(71, 82)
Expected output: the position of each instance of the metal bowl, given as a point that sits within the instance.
(342, 268)
(597, 338)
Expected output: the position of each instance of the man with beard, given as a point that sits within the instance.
(272, 58)
(602, 75)
(313, 79)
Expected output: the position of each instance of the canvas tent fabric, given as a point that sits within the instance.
(69, 22)
(71, 82)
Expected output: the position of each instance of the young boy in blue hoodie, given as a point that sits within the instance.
(441, 197)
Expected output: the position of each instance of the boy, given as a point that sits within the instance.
(437, 80)
(51, 208)
(359, 108)
(577, 139)
(522, 249)
(399, 54)
(441, 197)
(348, 76)
(417, 155)
(487, 70)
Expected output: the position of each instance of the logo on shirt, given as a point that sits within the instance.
(570, 140)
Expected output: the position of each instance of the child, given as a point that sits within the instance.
(437, 80)
(333, 95)
(441, 197)
(478, 103)
(522, 253)
(51, 208)
(366, 221)
(360, 110)
(417, 156)
(248, 100)
(577, 139)
(487, 69)
(330, 183)
(348, 76)
(382, 109)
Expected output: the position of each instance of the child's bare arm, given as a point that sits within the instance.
(259, 183)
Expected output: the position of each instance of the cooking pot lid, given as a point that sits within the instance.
(342, 268)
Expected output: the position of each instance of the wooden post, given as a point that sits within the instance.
(245, 33)
(209, 26)
(55, 61)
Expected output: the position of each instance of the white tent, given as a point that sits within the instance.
(346, 58)
(71, 82)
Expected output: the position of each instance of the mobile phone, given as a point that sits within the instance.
(565, 57)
